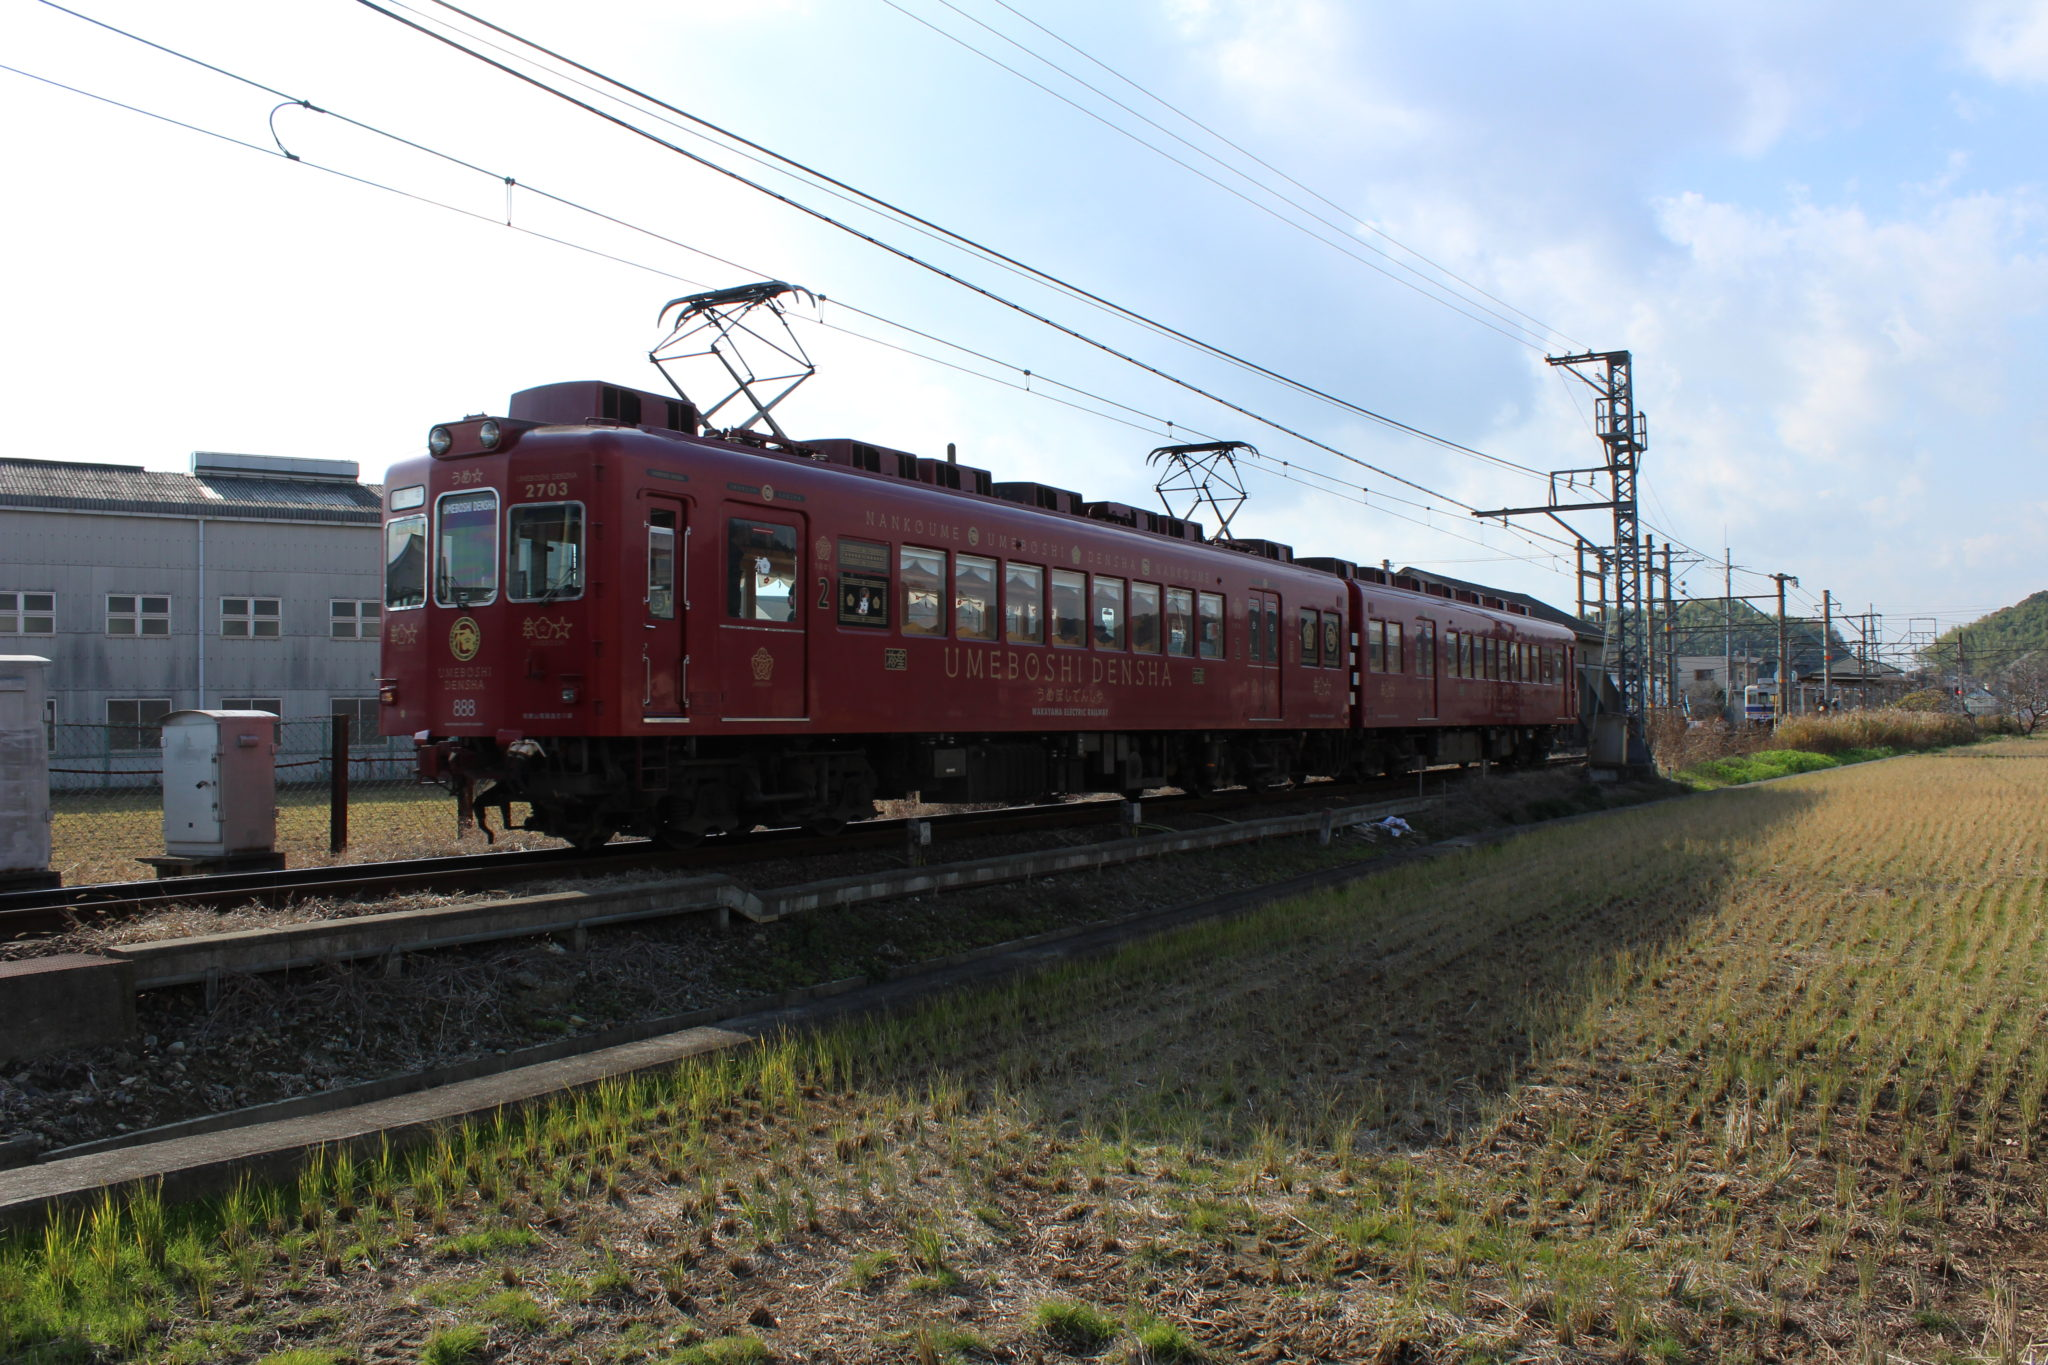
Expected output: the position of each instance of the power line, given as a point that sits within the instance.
(1130, 314)
(1343, 247)
(576, 206)
(1252, 156)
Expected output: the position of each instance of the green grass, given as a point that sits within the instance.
(487, 1242)
(454, 1346)
(740, 1350)
(1074, 1326)
(1769, 763)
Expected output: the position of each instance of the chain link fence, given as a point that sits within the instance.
(106, 800)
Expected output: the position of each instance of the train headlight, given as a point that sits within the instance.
(438, 441)
(489, 435)
(387, 694)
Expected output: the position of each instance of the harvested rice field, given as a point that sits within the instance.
(1753, 1075)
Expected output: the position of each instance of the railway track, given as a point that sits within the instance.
(27, 914)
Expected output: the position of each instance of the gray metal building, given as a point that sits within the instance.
(251, 582)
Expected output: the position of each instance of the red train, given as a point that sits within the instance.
(594, 607)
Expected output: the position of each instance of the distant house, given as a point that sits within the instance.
(251, 582)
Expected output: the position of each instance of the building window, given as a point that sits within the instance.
(353, 620)
(362, 717)
(249, 618)
(134, 615)
(136, 722)
(271, 704)
(1703, 675)
(28, 613)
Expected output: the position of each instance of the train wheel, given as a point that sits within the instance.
(592, 838)
(676, 840)
(825, 826)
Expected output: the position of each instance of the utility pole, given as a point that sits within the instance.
(1650, 673)
(1827, 649)
(1728, 634)
(1781, 579)
(1619, 742)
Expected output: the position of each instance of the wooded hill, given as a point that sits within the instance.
(1991, 642)
(1712, 627)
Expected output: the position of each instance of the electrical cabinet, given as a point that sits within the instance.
(220, 783)
(24, 766)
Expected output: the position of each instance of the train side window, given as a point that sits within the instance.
(1211, 624)
(466, 548)
(1255, 624)
(1333, 637)
(1145, 617)
(1375, 646)
(405, 562)
(1107, 614)
(1395, 663)
(974, 597)
(1272, 630)
(1493, 669)
(924, 590)
(1425, 648)
(1311, 638)
(1069, 608)
(760, 570)
(1024, 604)
(661, 564)
(547, 551)
(863, 583)
(1180, 622)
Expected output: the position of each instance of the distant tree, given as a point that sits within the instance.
(1927, 699)
(2024, 686)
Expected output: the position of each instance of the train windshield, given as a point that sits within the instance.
(547, 552)
(466, 549)
(405, 562)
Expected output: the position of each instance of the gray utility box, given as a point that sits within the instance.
(220, 783)
(24, 766)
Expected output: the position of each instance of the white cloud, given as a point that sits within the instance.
(2008, 40)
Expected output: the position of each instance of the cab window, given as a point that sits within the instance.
(760, 570)
(466, 549)
(1069, 607)
(924, 590)
(1024, 604)
(547, 552)
(1107, 616)
(405, 562)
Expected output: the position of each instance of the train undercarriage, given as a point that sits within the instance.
(678, 791)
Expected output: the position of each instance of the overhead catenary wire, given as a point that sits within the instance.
(1255, 158)
(1521, 335)
(1129, 314)
(1282, 465)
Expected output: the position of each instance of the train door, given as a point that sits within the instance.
(761, 648)
(1264, 611)
(1425, 665)
(664, 662)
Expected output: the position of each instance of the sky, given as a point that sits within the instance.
(1818, 229)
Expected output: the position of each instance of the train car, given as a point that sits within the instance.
(600, 610)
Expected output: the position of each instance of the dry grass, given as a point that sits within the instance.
(97, 836)
(1754, 1076)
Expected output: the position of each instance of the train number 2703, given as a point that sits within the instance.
(546, 490)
